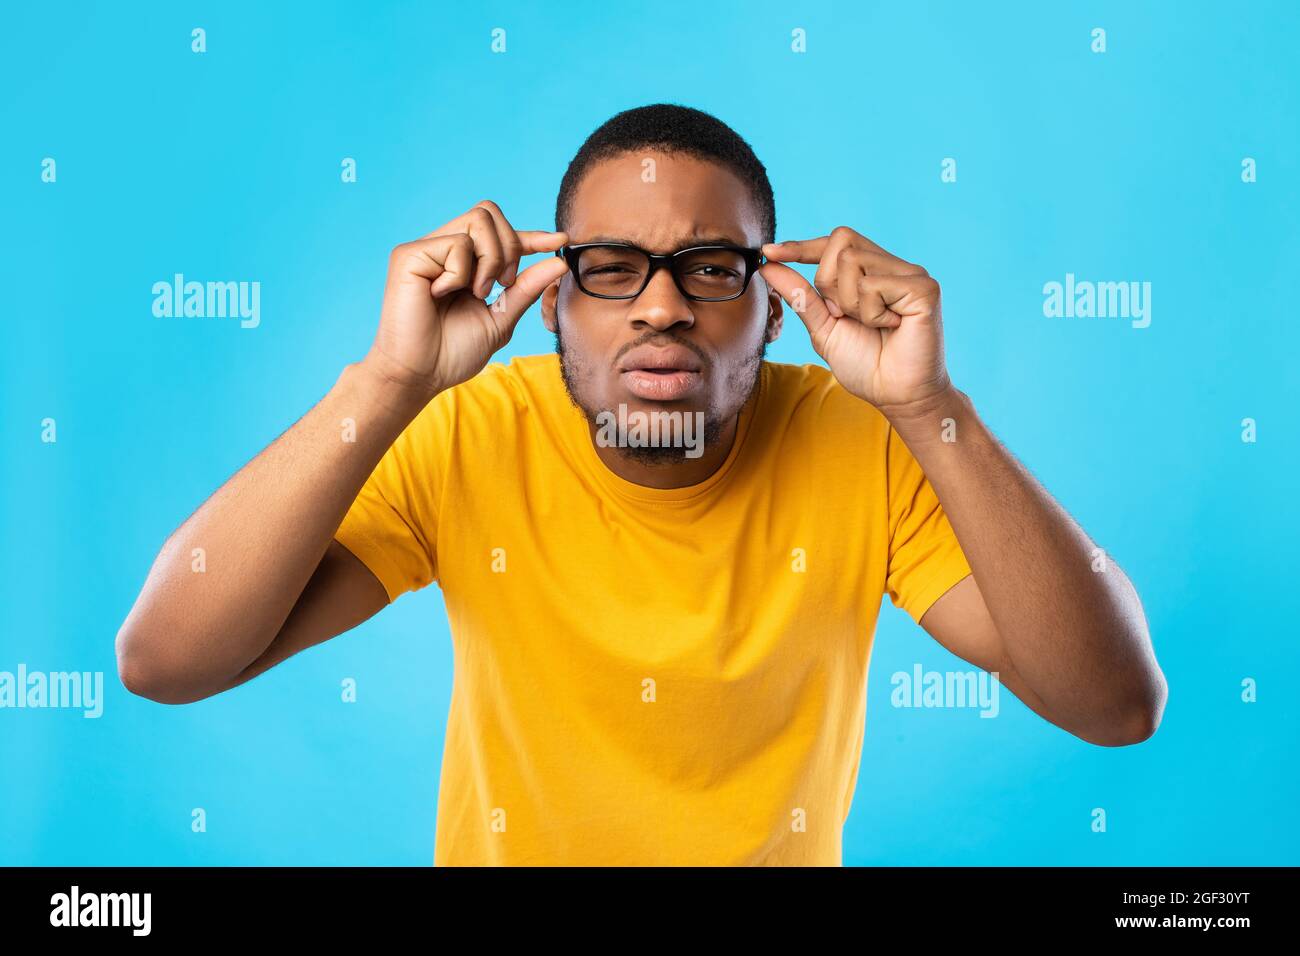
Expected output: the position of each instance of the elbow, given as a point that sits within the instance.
(1141, 705)
(1145, 722)
(1151, 707)
(139, 671)
(134, 669)
(1143, 718)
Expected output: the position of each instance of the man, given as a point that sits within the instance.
(660, 647)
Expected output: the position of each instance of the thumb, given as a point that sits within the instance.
(527, 288)
(802, 298)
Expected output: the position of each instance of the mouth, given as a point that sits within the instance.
(661, 374)
(660, 384)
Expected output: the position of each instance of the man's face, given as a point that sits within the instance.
(614, 352)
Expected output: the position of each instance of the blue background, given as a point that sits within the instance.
(226, 165)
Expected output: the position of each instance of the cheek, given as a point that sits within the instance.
(586, 355)
(591, 340)
(583, 349)
(740, 340)
(740, 363)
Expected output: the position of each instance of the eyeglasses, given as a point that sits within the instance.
(714, 273)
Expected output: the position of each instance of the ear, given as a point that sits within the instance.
(775, 315)
(550, 317)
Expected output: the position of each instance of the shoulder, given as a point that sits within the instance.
(806, 415)
(497, 406)
(504, 387)
(523, 378)
(811, 394)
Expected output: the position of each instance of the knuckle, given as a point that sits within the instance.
(461, 249)
(403, 254)
(841, 232)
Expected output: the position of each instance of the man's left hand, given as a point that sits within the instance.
(873, 317)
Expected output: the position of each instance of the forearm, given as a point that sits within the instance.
(225, 581)
(1070, 620)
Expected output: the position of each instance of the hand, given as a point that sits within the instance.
(435, 329)
(874, 318)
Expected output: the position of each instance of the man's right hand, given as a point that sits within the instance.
(436, 330)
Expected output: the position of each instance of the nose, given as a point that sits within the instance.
(661, 305)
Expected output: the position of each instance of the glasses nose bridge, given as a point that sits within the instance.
(652, 309)
(658, 262)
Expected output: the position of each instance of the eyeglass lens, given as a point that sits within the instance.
(707, 273)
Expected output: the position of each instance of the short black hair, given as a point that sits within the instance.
(671, 128)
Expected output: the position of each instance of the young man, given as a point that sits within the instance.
(661, 636)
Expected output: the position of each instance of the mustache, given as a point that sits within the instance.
(663, 338)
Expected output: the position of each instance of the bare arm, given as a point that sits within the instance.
(1059, 617)
(272, 580)
(1065, 629)
(341, 594)
(263, 535)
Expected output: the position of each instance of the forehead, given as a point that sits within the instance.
(662, 202)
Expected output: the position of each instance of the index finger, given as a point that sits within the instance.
(539, 240)
(532, 240)
(807, 251)
(810, 251)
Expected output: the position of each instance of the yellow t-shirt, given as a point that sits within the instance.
(647, 676)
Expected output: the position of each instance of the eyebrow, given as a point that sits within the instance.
(686, 243)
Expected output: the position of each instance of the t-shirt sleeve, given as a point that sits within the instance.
(392, 526)
(925, 559)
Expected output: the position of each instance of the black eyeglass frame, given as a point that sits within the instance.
(753, 259)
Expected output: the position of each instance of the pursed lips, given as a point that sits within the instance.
(660, 374)
(671, 358)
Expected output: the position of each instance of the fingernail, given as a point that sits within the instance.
(834, 309)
